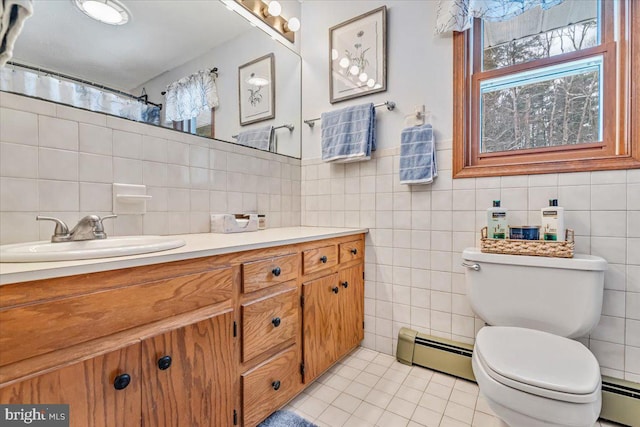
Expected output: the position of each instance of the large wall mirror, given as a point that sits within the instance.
(163, 42)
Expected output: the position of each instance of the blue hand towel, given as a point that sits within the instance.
(417, 155)
(349, 134)
(260, 137)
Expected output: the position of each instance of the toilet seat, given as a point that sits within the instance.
(539, 363)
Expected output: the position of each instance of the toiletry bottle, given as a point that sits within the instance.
(553, 221)
(497, 221)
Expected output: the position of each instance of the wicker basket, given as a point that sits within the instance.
(529, 247)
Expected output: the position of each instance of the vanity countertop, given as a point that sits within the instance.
(197, 246)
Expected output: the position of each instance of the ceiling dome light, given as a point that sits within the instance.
(274, 9)
(109, 12)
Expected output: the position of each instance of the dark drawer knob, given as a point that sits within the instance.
(276, 271)
(345, 284)
(275, 321)
(164, 363)
(323, 258)
(276, 385)
(335, 290)
(122, 381)
(354, 251)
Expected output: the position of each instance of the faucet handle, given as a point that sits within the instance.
(99, 228)
(61, 232)
(107, 217)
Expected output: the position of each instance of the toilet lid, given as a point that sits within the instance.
(536, 361)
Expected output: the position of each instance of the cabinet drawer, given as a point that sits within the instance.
(269, 322)
(261, 274)
(268, 386)
(351, 250)
(319, 258)
(52, 325)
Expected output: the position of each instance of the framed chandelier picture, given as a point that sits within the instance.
(358, 56)
(256, 90)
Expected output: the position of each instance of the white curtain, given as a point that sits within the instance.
(76, 94)
(13, 13)
(190, 96)
(458, 15)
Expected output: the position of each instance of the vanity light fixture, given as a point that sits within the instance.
(272, 9)
(110, 12)
(292, 25)
(270, 15)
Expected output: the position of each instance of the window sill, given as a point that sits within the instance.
(581, 165)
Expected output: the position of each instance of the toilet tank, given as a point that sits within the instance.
(562, 296)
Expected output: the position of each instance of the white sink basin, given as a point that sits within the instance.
(87, 249)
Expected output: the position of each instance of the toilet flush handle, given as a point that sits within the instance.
(475, 267)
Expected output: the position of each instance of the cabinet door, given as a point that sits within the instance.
(320, 322)
(351, 308)
(189, 375)
(88, 388)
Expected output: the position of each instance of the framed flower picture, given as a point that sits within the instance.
(256, 90)
(358, 56)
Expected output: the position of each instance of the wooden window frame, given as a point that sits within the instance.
(620, 148)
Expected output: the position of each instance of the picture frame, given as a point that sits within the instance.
(358, 56)
(257, 90)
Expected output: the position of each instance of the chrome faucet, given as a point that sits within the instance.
(88, 228)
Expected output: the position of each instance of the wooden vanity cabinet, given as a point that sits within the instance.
(333, 318)
(216, 341)
(181, 378)
(270, 334)
(149, 346)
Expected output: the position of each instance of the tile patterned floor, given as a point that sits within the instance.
(368, 389)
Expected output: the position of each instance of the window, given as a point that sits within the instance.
(551, 90)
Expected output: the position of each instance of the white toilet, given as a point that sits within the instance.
(528, 369)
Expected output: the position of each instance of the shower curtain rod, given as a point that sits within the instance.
(213, 71)
(142, 98)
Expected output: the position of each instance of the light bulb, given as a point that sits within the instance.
(334, 54)
(354, 70)
(344, 62)
(293, 24)
(274, 8)
(371, 82)
(363, 77)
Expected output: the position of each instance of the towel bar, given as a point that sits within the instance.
(389, 104)
(288, 126)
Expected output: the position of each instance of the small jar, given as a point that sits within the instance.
(525, 232)
(262, 222)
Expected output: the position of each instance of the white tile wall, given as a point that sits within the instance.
(61, 161)
(413, 277)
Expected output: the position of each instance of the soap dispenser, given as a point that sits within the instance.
(553, 222)
(497, 223)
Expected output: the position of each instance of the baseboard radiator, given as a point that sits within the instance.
(620, 399)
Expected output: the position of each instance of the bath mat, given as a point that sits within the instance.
(285, 419)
